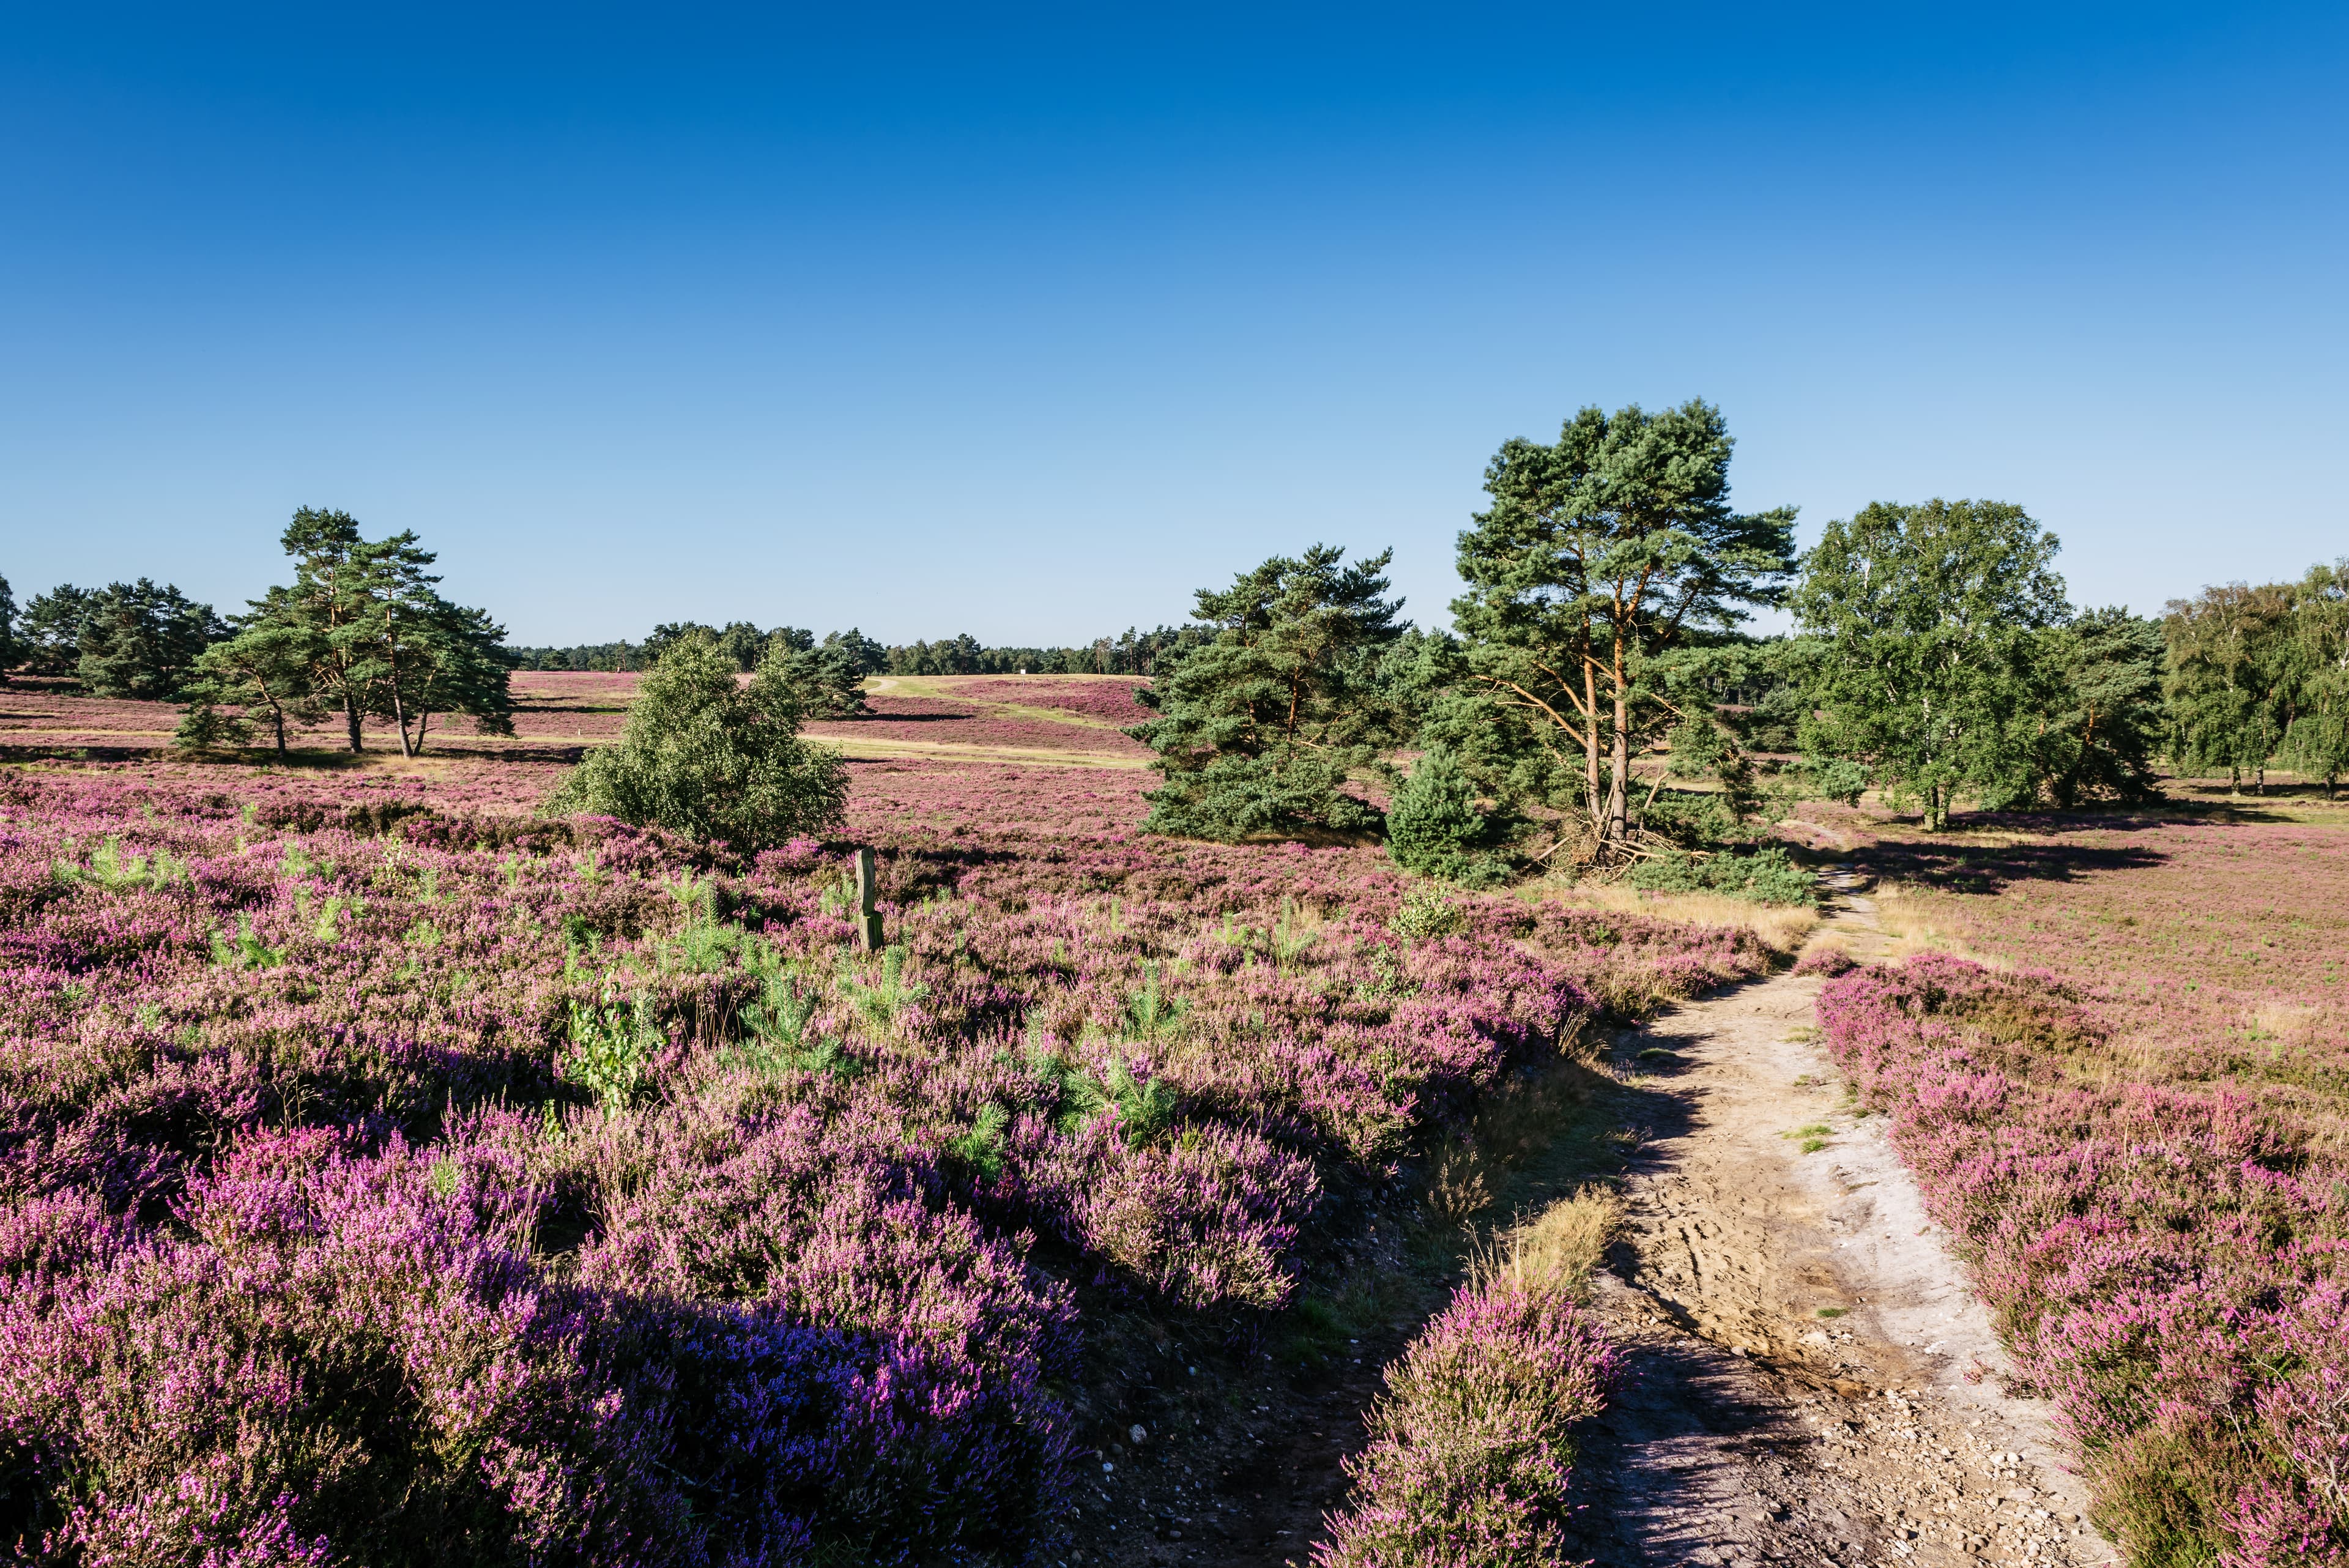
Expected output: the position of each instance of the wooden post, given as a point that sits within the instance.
(868, 888)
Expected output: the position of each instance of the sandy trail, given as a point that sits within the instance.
(1801, 1338)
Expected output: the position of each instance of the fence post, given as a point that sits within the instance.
(868, 919)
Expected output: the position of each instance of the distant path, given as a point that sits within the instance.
(1757, 1429)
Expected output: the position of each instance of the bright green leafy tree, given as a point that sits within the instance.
(1601, 552)
(705, 755)
(2233, 662)
(1259, 729)
(1930, 669)
(2316, 740)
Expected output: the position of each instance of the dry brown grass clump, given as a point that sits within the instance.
(1557, 1248)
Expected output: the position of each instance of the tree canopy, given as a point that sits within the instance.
(1599, 552)
(373, 636)
(707, 755)
(1259, 728)
(1930, 671)
(134, 640)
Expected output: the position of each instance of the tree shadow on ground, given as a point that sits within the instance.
(1957, 867)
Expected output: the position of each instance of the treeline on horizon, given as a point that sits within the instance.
(1132, 652)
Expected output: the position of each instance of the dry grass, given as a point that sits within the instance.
(1516, 1124)
(1779, 928)
(1459, 1184)
(1908, 920)
(1560, 1247)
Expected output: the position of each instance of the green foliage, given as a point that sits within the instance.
(1258, 729)
(2099, 742)
(980, 1147)
(706, 756)
(2229, 676)
(245, 949)
(1433, 827)
(204, 728)
(1692, 818)
(1424, 913)
(1764, 876)
(265, 668)
(2316, 737)
(9, 652)
(883, 996)
(1930, 668)
(110, 869)
(362, 630)
(48, 636)
(1150, 1012)
(126, 640)
(1143, 1109)
(611, 1049)
(826, 678)
(1599, 554)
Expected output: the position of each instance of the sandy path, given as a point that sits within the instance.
(1758, 1429)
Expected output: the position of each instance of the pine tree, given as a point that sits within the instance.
(1260, 730)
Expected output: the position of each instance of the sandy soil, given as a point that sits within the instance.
(1815, 1383)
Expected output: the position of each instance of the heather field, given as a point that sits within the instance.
(557, 714)
(381, 1164)
(2131, 1112)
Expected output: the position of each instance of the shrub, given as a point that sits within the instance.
(204, 728)
(708, 757)
(1473, 1445)
(1433, 826)
(1765, 877)
(1237, 797)
(1837, 779)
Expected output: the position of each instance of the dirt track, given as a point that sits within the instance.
(1754, 1430)
(1758, 1429)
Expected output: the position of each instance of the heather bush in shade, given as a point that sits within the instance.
(1472, 1445)
(706, 756)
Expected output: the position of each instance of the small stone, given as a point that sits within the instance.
(1136, 1435)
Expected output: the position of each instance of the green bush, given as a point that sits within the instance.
(1235, 797)
(1836, 778)
(1766, 876)
(709, 757)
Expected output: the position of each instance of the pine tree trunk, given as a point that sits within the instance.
(351, 720)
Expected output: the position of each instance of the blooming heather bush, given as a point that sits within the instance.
(388, 1176)
(2169, 1264)
(1472, 1445)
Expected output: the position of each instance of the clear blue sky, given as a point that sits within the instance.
(1027, 322)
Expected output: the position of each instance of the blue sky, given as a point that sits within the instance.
(1028, 323)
